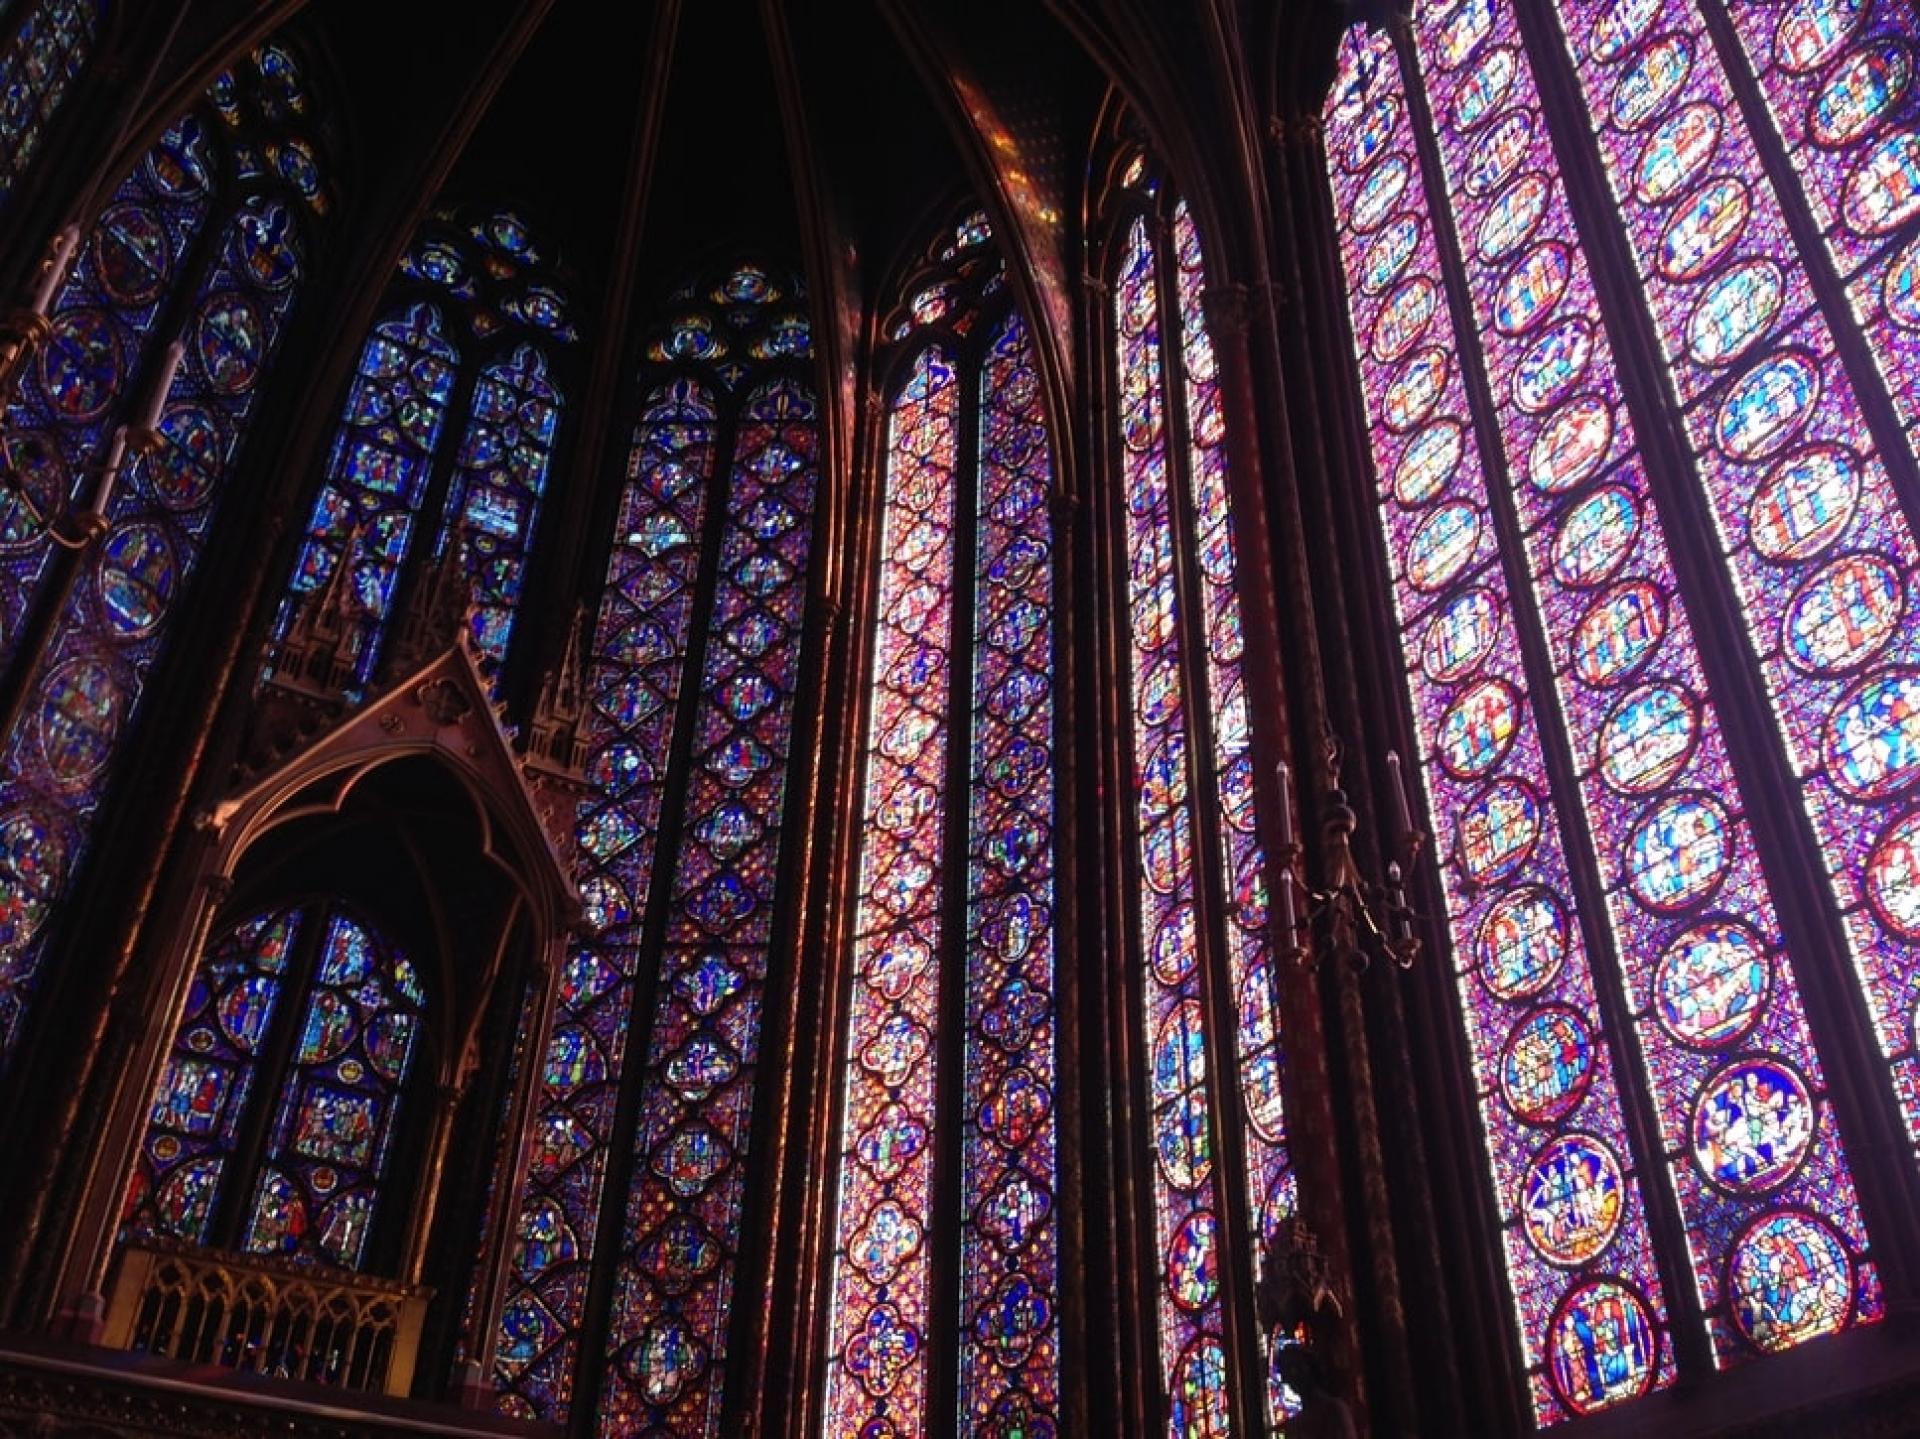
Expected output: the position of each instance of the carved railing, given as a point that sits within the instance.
(259, 1315)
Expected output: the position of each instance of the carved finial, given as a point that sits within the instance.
(315, 657)
(439, 614)
(556, 738)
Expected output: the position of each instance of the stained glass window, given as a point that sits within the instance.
(719, 501)
(86, 685)
(342, 1008)
(1199, 902)
(41, 59)
(1467, 278)
(475, 317)
(967, 451)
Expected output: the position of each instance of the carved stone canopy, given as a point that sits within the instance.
(418, 806)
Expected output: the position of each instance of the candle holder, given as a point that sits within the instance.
(1357, 914)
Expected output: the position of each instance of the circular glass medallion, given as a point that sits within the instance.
(81, 710)
(1372, 133)
(263, 246)
(1617, 635)
(1461, 35)
(1873, 736)
(1859, 93)
(130, 252)
(1675, 152)
(1884, 190)
(1679, 852)
(1460, 636)
(1512, 217)
(1388, 254)
(232, 342)
(1812, 32)
(1843, 613)
(1653, 79)
(1404, 318)
(1416, 390)
(1704, 227)
(1498, 831)
(1553, 366)
(1616, 28)
(1572, 445)
(1193, 1265)
(1804, 504)
(40, 472)
(1180, 1068)
(1380, 192)
(80, 363)
(1901, 289)
(1547, 1064)
(136, 575)
(1521, 943)
(1711, 983)
(1498, 154)
(1752, 1125)
(1572, 1199)
(1893, 876)
(1484, 87)
(1768, 406)
(1477, 729)
(1595, 536)
(1531, 288)
(1602, 1347)
(33, 867)
(1197, 1398)
(1428, 462)
(1443, 546)
(1735, 311)
(1790, 1280)
(1646, 738)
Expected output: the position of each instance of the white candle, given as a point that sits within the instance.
(158, 399)
(116, 457)
(53, 270)
(1286, 804)
(1402, 816)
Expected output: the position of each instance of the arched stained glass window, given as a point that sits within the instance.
(84, 689)
(719, 503)
(467, 291)
(964, 608)
(272, 1123)
(1501, 424)
(1199, 901)
(50, 44)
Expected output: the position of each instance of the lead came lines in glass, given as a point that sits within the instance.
(1674, 850)
(1574, 1224)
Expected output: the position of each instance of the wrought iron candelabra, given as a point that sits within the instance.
(23, 334)
(1357, 914)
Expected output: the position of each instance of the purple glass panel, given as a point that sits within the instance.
(674, 1289)
(1180, 1091)
(38, 66)
(1567, 1183)
(1009, 1248)
(640, 646)
(1736, 1084)
(211, 1070)
(877, 1366)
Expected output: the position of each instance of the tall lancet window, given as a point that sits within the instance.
(954, 935)
(205, 244)
(274, 1120)
(452, 414)
(49, 43)
(697, 656)
(1199, 898)
(1549, 583)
